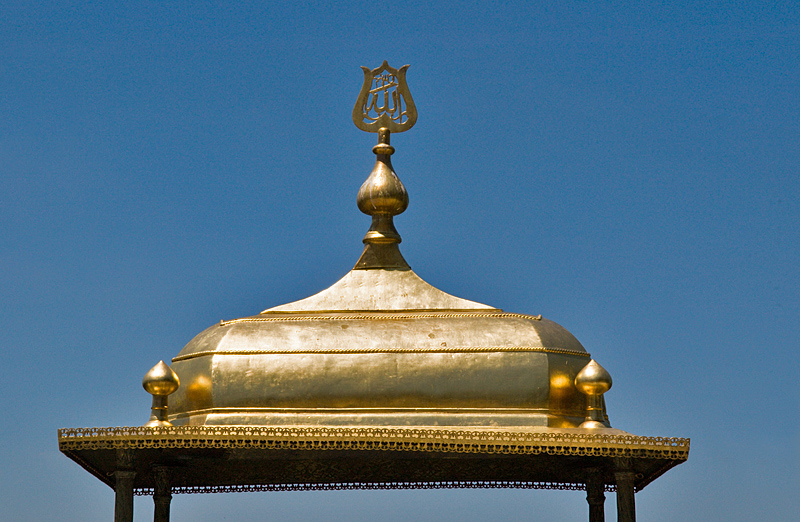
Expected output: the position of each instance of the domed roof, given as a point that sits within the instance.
(386, 348)
(381, 347)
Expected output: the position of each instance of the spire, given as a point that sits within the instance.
(384, 105)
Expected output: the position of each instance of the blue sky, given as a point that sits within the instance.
(628, 170)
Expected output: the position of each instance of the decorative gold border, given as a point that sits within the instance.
(438, 349)
(376, 438)
(341, 486)
(377, 316)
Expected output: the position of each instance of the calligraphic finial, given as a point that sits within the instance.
(384, 105)
(384, 101)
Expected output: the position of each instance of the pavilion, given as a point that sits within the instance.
(380, 381)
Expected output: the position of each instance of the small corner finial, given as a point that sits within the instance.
(593, 381)
(160, 382)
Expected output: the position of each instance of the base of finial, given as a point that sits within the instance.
(382, 231)
(157, 423)
(382, 237)
(381, 256)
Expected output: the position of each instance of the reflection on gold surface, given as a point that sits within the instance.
(199, 391)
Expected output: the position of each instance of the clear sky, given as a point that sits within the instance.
(628, 170)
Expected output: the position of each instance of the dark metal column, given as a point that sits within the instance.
(595, 495)
(162, 494)
(626, 505)
(123, 503)
(124, 475)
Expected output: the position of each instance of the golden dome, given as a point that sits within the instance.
(381, 346)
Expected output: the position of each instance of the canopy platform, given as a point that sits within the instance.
(209, 459)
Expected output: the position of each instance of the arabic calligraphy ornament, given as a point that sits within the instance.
(384, 101)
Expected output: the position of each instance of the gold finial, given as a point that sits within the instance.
(384, 101)
(384, 105)
(160, 382)
(593, 381)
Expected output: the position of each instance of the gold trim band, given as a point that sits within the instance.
(379, 316)
(438, 349)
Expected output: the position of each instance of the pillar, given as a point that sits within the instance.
(162, 494)
(123, 503)
(626, 506)
(124, 475)
(595, 496)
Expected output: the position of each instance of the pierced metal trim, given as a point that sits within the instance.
(371, 439)
(340, 486)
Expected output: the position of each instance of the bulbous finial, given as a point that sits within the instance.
(593, 381)
(160, 382)
(382, 192)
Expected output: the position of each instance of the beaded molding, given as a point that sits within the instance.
(438, 349)
(378, 316)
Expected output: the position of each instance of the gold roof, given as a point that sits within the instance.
(381, 346)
